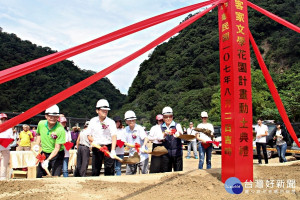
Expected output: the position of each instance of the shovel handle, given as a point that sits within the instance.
(115, 157)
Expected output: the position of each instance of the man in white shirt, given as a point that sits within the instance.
(192, 143)
(261, 140)
(136, 134)
(102, 131)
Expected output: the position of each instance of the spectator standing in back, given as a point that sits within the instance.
(192, 143)
(83, 152)
(205, 145)
(4, 151)
(121, 137)
(261, 140)
(25, 139)
(281, 145)
(63, 122)
(13, 146)
(74, 135)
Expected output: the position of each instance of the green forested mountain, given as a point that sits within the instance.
(22, 93)
(184, 72)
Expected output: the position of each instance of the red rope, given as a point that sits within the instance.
(273, 90)
(274, 17)
(26, 68)
(92, 79)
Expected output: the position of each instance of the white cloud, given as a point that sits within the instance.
(65, 24)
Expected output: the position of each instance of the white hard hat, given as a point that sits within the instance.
(102, 104)
(204, 114)
(130, 115)
(167, 111)
(53, 110)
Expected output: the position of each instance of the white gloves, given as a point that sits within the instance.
(36, 148)
(45, 164)
(113, 154)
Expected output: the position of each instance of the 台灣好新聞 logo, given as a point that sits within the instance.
(233, 185)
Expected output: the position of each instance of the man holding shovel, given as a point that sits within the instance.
(102, 131)
(51, 136)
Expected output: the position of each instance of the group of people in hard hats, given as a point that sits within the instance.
(102, 131)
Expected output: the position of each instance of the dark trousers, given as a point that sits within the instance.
(55, 164)
(98, 158)
(171, 162)
(83, 157)
(156, 162)
(264, 148)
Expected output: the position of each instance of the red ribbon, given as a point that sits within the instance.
(104, 149)
(172, 131)
(41, 158)
(120, 143)
(137, 147)
(274, 17)
(96, 77)
(5, 141)
(23, 69)
(273, 90)
(68, 145)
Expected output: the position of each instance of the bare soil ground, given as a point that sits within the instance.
(189, 184)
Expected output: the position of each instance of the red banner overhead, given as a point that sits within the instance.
(236, 98)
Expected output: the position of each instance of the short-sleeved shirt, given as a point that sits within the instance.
(47, 142)
(190, 131)
(6, 134)
(261, 130)
(120, 136)
(140, 136)
(83, 139)
(25, 138)
(208, 126)
(156, 134)
(102, 131)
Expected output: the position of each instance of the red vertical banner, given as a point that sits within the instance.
(236, 98)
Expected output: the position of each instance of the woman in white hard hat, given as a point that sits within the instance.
(205, 145)
(157, 137)
(51, 135)
(4, 148)
(171, 131)
(102, 131)
(136, 134)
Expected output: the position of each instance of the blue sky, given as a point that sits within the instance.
(64, 24)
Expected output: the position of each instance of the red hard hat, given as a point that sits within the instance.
(3, 115)
(62, 119)
(159, 117)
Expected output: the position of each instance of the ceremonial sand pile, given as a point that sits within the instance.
(189, 184)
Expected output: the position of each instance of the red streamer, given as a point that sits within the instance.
(137, 147)
(40, 157)
(23, 69)
(120, 143)
(274, 17)
(172, 131)
(273, 90)
(104, 149)
(5, 141)
(68, 145)
(92, 79)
